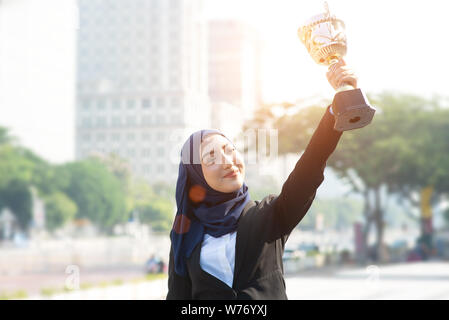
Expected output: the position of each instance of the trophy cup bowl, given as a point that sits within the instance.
(324, 37)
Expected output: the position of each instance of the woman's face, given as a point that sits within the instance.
(218, 159)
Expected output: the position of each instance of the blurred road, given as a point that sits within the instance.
(415, 281)
(419, 280)
(32, 283)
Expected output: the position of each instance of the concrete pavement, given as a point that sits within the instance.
(415, 281)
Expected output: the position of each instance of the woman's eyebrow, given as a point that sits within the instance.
(207, 152)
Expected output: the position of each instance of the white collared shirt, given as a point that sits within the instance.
(218, 256)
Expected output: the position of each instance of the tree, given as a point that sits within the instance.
(97, 189)
(121, 169)
(162, 189)
(423, 179)
(43, 174)
(97, 194)
(390, 154)
(158, 213)
(13, 166)
(59, 209)
(17, 196)
(153, 203)
(6, 138)
(140, 193)
(405, 148)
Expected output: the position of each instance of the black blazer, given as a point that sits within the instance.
(263, 228)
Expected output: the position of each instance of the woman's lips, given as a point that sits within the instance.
(232, 174)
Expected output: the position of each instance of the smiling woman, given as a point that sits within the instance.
(225, 245)
(209, 205)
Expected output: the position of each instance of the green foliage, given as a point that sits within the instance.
(100, 188)
(164, 190)
(17, 196)
(16, 173)
(47, 178)
(153, 204)
(19, 294)
(4, 136)
(97, 194)
(262, 188)
(13, 165)
(120, 168)
(155, 276)
(47, 292)
(140, 192)
(59, 209)
(296, 130)
(403, 150)
(87, 285)
(158, 213)
(405, 147)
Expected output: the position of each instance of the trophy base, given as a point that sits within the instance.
(352, 110)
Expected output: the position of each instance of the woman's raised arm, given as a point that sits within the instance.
(298, 191)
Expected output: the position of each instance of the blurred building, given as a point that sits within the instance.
(141, 81)
(234, 72)
(227, 118)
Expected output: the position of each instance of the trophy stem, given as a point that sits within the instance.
(333, 61)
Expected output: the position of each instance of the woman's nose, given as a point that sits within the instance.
(228, 159)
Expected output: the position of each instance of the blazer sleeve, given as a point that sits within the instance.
(179, 288)
(299, 190)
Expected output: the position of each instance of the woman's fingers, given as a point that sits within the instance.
(351, 80)
(346, 76)
(340, 74)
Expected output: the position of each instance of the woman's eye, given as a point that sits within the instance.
(210, 160)
(230, 150)
(211, 156)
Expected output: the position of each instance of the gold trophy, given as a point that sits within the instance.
(324, 37)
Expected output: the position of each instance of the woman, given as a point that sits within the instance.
(225, 245)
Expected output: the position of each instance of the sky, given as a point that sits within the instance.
(392, 45)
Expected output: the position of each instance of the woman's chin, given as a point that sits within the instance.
(235, 184)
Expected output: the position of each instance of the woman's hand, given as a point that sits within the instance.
(340, 73)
